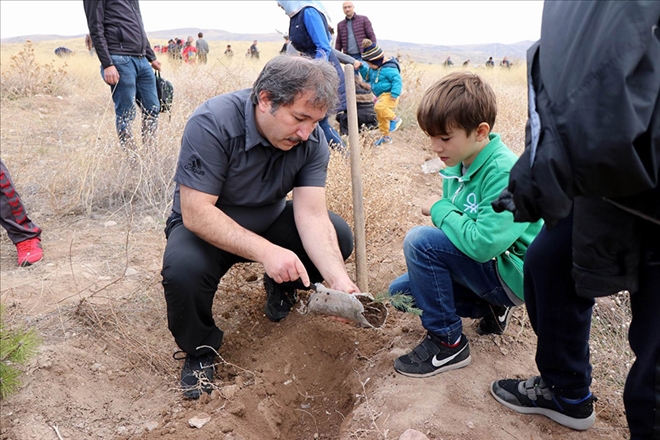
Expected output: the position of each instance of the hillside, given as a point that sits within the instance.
(425, 53)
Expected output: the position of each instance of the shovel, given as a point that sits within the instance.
(357, 307)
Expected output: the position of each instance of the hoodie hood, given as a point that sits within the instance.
(293, 7)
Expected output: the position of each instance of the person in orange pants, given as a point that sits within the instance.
(384, 77)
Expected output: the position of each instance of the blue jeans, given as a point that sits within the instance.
(331, 135)
(136, 83)
(446, 284)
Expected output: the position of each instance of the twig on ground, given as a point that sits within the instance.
(57, 431)
(366, 401)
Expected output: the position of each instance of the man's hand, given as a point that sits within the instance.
(156, 65)
(283, 265)
(110, 75)
(428, 204)
(357, 64)
(345, 285)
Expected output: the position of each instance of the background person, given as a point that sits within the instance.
(189, 52)
(384, 78)
(352, 30)
(229, 52)
(254, 50)
(127, 60)
(310, 35)
(241, 154)
(202, 48)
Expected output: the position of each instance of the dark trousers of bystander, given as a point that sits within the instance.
(192, 269)
(562, 320)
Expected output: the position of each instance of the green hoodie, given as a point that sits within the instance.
(466, 216)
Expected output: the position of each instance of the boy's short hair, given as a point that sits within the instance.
(459, 100)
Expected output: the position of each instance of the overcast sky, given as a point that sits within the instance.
(430, 22)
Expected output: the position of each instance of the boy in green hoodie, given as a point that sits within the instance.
(469, 264)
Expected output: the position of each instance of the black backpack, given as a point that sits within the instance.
(165, 93)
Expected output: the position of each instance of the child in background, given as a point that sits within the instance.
(384, 77)
(469, 264)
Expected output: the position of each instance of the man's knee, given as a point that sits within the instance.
(344, 235)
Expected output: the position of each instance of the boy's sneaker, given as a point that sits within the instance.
(197, 375)
(532, 396)
(29, 252)
(279, 301)
(495, 322)
(395, 124)
(432, 357)
(382, 141)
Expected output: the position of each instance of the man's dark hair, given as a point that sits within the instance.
(284, 78)
(200, 35)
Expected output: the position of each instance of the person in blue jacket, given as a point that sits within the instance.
(384, 77)
(309, 34)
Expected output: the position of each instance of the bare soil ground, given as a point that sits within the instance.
(105, 369)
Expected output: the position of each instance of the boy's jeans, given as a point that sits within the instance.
(446, 283)
(136, 82)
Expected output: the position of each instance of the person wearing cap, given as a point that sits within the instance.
(384, 77)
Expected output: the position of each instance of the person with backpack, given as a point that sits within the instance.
(310, 35)
(127, 65)
(384, 77)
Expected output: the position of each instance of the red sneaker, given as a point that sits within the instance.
(29, 252)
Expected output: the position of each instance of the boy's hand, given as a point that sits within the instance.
(428, 204)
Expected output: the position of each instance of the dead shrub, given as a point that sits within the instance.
(26, 77)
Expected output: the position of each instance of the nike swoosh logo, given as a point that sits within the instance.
(439, 363)
(502, 318)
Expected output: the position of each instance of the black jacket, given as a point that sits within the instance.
(116, 28)
(593, 136)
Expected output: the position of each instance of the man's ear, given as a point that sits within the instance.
(483, 130)
(264, 101)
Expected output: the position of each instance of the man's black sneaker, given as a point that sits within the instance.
(279, 301)
(431, 357)
(197, 375)
(532, 396)
(495, 322)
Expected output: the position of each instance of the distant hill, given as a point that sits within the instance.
(426, 53)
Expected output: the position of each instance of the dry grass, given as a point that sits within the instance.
(59, 141)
